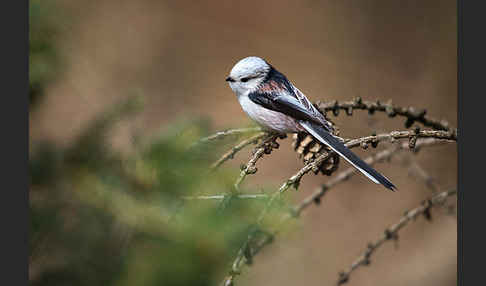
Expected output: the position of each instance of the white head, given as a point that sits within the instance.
(248, 74)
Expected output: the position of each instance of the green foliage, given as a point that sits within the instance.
(45, 22)
(99, 217)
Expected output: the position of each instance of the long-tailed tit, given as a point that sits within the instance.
(271, 100)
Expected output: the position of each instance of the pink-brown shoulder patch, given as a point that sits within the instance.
(271, 86)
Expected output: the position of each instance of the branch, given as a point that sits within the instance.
(265, 147)
(413, 114)
(222, 196)
(231, 153)
(430, 182)
(363, 142)
(225, 133)
(391, 233)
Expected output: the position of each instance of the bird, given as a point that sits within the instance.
(274, 103)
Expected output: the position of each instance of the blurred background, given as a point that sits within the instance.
(119, 89)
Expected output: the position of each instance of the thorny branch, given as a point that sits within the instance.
(363, 142)
(222, 196)
(231, 153)
(315, 197)
(265, 147)
(223, 134)
(413, 114)
(391, 233)
(418, 171)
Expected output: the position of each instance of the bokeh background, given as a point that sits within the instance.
(118, 88)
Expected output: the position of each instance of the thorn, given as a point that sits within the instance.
(248, 255)
(366, 261)
(374, 143)
(412, 142)
(335, 111)
(390, 111)
(369, 248)
(389, 235)
(367, 254)
(416, 129)
(364, 145)
(343, 278)
(296, 185)
(349, 111)
(427, 214)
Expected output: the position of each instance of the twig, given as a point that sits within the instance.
(231, 153)
(265, 147)
(222, 196)
(391, 233)
(363, 141)
(418, 171)
(438, 134)
(225, 133)
(412, 114)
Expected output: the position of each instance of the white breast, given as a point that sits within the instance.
(267, 118)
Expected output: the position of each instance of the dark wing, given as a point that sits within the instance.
(286, 104)
(279, 94)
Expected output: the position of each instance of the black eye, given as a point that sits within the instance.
(245, 79)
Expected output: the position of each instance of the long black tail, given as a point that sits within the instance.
(327, 138)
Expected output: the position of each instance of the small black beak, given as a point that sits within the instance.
(229, 79)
